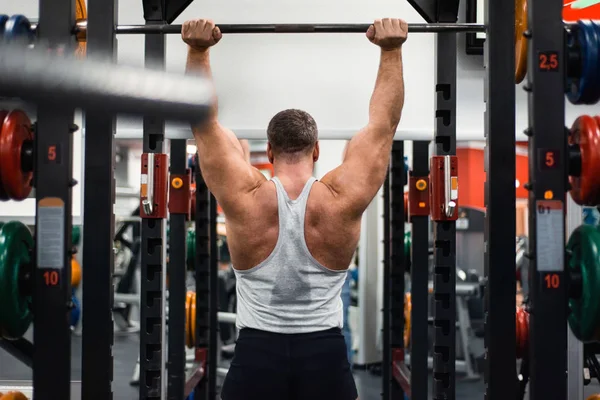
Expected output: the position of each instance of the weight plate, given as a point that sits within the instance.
(592, 94)
(80, 15)
(584, 260)
(75, 272)
(594, 397)
(14, 396)
(188, 330)
(522, 331)
(18, 27)
(16, 245)
(405, 206)
(3, 19)
(193, 318)
(193, 202)
(520, 40)
(16, 129)
(407, 320)
(190, 248)
(75, 235)
(585, 133)
(75, 312)
(3, 113)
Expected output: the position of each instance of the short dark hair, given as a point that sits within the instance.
(292, 131)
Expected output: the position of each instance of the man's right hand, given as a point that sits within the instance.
(388, 33)
(200, 34)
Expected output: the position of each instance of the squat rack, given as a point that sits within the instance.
(52, 357)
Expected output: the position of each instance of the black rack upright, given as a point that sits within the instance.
(444, 246)
(203, 292)
(54, 183)
(177, 287)
(499, 259)
(419, 288)
(394, 268)
(98, 227)
(547, 188)
(152, 296)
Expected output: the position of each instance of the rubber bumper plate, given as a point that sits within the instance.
(522, 331)
(14, 396)
(188, 318)
(75, 272)
(520, 40)
(3, 195)
(407, 320)
(584, 260)
(16, 131)
(585, 188)
(16, 246)
(584, 88)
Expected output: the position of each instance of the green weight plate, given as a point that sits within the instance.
(584, 249)
(76, 235)
(16, 243)
(191, 249)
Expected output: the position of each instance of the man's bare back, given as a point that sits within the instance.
(331, 238)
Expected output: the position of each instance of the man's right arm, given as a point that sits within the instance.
(366, 160)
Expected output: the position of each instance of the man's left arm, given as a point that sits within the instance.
(222, 160)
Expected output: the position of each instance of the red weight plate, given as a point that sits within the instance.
(16, 129)
(3, 194)
(193, 202)
(405, 206)
(585, 189)
(522, 324)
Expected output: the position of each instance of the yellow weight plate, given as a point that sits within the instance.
(193, 318)
(80, 15)
(407, 321)
(188, 330)
(75, 272)
(14, 396)
(520, 40)
(594, 397)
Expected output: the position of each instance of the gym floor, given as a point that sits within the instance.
(125, 352)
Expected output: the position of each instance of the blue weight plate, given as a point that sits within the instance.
(593, 84)
(3, 19)
(75, 312)
(587, 82)
(18, 27)
(576, 40)
(595, 96)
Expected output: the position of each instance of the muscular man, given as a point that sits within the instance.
(292, 238)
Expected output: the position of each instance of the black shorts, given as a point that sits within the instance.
(273, 366)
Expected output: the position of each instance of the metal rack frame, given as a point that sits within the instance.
(444, 233)
(419, 287)
(547, 195)
(54, 183)
(500, 167)
(99, 227)
(177, 286)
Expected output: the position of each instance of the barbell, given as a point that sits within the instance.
(81, 28)
(64, 81)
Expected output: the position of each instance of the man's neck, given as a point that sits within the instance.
(294, 176)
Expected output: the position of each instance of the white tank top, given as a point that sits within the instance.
(290, 291)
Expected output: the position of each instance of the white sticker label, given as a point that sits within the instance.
(51, 237)
(144, 179)
(550, 240)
